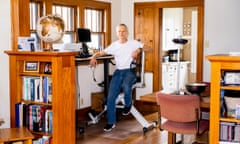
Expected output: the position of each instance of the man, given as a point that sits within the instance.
(124, 52)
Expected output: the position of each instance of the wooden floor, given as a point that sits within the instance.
(127, 131)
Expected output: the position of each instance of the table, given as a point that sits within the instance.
(152, 98)
(15, 134)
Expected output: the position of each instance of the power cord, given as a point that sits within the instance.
(93, 73)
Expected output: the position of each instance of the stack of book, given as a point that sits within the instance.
(36, 118)
(37, 89)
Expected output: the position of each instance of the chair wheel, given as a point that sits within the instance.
(81, 130)
(155, 123)
(145, 129)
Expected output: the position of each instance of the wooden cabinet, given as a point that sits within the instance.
(170, 79)
(219, 63)
(63, 88)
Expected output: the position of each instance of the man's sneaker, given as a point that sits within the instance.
(126, 110)
(109, 127)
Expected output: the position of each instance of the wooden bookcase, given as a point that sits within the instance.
(218, 63)
(63, 88)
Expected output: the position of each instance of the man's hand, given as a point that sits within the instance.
(93, 61)
(136, 53)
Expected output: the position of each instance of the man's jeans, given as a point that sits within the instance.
(121, 80)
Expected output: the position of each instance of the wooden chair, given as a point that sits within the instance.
(182, 114)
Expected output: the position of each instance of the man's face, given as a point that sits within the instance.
(122, 32)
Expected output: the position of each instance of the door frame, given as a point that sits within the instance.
(158, 6)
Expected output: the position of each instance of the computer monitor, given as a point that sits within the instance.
(84, 35)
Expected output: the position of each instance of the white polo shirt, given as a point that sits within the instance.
(122, 52)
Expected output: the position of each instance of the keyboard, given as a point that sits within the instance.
(83, 56)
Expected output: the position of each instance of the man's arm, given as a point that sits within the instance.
(144, 48)
(93, 61)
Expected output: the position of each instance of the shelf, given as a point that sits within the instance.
(230, 120)
(231, 87)
(38, 103)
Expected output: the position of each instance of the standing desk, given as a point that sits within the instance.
(106, 60)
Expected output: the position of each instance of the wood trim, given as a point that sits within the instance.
(19, 20)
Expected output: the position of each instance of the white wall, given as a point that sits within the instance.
(222, 30)
(4, 76)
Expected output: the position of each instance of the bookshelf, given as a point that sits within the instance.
(219, 63)
(63, 88)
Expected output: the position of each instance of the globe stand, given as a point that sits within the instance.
(49, 47)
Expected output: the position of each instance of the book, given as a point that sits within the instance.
(227, 131)
(237, 133)
(47, 89)
(48, 121)
(17, 115)
(31, 88)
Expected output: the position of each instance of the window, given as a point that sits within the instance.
(76, 14)
(35, 14)
(94, 20)
(67, 13)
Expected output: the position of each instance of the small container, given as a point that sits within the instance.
(165, 59)
(237, 112)
(232, 103)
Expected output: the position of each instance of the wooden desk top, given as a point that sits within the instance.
(15, 134)
(152, 98)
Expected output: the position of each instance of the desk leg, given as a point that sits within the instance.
(106, 76)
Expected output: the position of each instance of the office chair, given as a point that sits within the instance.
(138, 66)
(182, 114)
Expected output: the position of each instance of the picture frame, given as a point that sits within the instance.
(48, 68)
(31, 66)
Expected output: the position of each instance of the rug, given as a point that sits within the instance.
(124, 128)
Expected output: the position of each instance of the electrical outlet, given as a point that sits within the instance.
(81, 100)
(206, 44)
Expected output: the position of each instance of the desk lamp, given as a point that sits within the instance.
(180, 42)
(84, 35)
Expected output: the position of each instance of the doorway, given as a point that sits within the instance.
(178, 22)
(149, 27)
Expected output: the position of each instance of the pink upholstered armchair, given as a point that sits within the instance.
(182, 114)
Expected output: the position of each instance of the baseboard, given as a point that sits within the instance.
(82, 114)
